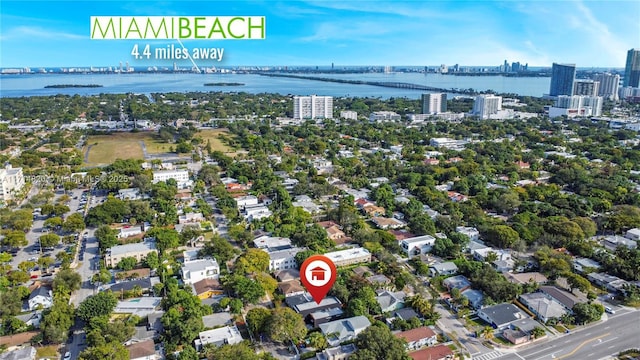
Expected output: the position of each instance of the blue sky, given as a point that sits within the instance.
(588, 33)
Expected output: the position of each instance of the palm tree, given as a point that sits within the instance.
(487, 332)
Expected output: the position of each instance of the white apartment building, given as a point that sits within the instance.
(434, 103)
(283, 259)
(200, 269)
(349, 115)
(180, 176)
(248, 200)
(609, 85)
(11, 182)
(417, 245)
(313, 107)
(576, 105)
(448, 143)
(228, 335)
(486, 105)
(380, 116)
(349, 256)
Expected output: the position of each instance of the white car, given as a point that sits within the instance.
(67, 356)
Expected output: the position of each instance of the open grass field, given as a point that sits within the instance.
(104, 149)
(213, 136)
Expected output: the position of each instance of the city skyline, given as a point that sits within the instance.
(49, 34)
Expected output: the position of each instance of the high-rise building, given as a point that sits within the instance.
(434, 103)
(11, 182)
(632, 69)
(562, 76)
(609, 84)
(486, 105)
(312, 107)
(586, 87)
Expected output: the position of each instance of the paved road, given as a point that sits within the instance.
(618, 333)
(450, 323)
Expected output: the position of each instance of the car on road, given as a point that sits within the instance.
(67, 356)
(609, 310)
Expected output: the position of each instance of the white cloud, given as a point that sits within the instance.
(33, 33)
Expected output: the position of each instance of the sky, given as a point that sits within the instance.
(346, 33)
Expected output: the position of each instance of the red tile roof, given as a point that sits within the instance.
(416, 334)
(432, 353)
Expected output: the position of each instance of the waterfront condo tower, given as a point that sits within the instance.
(434, 103)
(562, 77)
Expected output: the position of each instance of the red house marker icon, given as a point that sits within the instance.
(317, 273)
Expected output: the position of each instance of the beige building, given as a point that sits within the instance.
(138, 251)
(11, 182)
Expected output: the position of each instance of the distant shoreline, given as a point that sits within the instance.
(224, 84)
(64, 86)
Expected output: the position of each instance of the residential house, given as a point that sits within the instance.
(190, 218)
(459, 282)
(516, 336)
(130, 194)
(501, 315)
(565, 298)
(633, 234)
(523, 278)
(418, 337)
(417, 245)
(349, 256)
(31, 318)
(305, 305)
(337, 353)
(291, 288)
(373, 210)
(337, 235)
(339, 331)
(612, 242)
(391, 301)
(200, 269)
(379, 281)
(138, 251)
(217, 319)
(475, 297)
(207, 288)
(130, 231)
(387, 223)
(324, 316)
(287, 275)
(438, 352)
(544, 307)
(145, 285)
(142, 306)
(270, 243)
(443, 269)
(40, 298)
(145, 350)
(472, 233)
(405, 314)
(585, 265)
(248, 200)
(221, 336)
